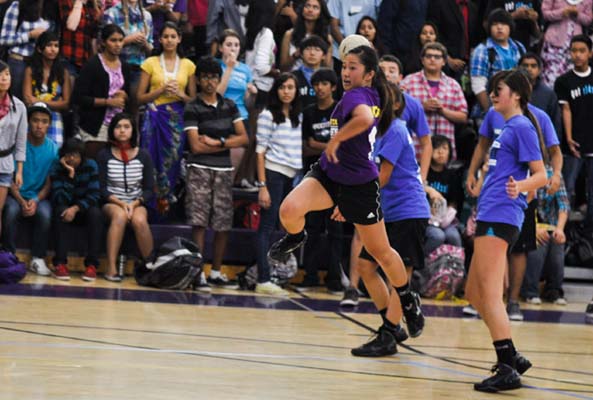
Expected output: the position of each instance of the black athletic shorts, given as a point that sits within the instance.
(407, 238)
(526, 241)
(507, 232)
(359, 204)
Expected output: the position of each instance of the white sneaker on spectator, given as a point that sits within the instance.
(39, 266)
(470, 310)
(201, 285)
(270, 288)
(534, 300)
(560, 301)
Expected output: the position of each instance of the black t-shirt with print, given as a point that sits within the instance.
(577, 91)
(316, 125)
(448, 183)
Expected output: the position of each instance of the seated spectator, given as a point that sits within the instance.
(127, 184)
(444, 189)
(167, 83)
(30, 200)
(367, 27)
(13, 141)
(547, 261)
(101, 90)
(314, 19)
(75, 196)
(279, 159)
(428, 34)
(22, 25)
(316, 134)
(213, 125)
(313, 49)
(47, 81)
(441, 96)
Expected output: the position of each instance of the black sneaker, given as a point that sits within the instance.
(223, 282)
(383, 344)
(521, 363)
(350, 298)
(399, 333)
(280, 251)
(412, 313)
(589, 310)
(514, 311)
(505, 378)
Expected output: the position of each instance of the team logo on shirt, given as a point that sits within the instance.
(513, 5)
(376, 111)
(581, 91)
(333, 126)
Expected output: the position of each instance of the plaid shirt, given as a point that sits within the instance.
(549, 206)
(18, 39)
(133, 54)
(480, 64)
(76, 46)
(450, 96)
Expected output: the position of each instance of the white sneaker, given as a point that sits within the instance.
(201, 285)
(39, 266)
(560, 301)
(270, 288)
(534, 300)
(470, 310)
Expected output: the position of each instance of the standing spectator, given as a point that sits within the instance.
(222, 15)
(314, 19)
(80, 24)
(75, 199)
(428, 34)
(13, 141)
(197, 10)
(565, 20)
(576, 100)
(285, 17)
(22, 25)
(279, 158)
(441, 96)
(213, 125)
(346, 16)
(368, 28)
(163, 11)
(527, 16)
(30, 200)
(399, 23)
(312, 49)
(46, 80)
(101, 90)
(167, 83)
(126, 179)
(500, 52)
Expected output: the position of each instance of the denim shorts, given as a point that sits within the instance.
(5, 180)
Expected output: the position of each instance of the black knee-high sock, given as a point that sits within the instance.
(403, 290)
(505, 351)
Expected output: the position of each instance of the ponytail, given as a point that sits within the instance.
(387, 97)
(540, 136)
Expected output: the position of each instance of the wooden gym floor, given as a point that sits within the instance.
(102, 340)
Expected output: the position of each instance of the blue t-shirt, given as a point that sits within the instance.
(355, 165)
(237, 86)
(403, 196)
(510, 154)
(36, 168)
(493, 123)
(414, 116)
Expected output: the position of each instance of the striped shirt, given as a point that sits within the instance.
(127, 182)
(281, 143)
(17, 38)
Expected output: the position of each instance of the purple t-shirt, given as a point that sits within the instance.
(356, 164)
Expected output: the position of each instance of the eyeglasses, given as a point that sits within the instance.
(209, 77)
(434, 56)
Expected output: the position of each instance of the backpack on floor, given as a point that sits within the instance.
(176, 265)
(11, 269)
(443, 273)
(280, 273)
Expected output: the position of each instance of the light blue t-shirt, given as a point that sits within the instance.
(237, 86)
(36, 168)
(403, 196)
(510, 154)
(414, 117)
(493, 123)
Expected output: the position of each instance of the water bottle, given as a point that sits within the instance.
(121, 265)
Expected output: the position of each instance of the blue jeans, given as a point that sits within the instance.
(278, 186)
(547, 261)
(570, 171)
(41, 225)
(436, 236)
(17, 75)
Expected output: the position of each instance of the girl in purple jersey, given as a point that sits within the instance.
(346, 175)
(515, 153)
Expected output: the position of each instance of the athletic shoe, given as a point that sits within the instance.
(560, 301)
(350, 298)
(221, 281)
(270, 289)
(61, 272)
(39, 266)
(521, 363)
(280, 251)
(514, 311)
(399, 333)
(112, 278)
(505, 378)
(555, 296)
(470, 310)
(201, 285)
(589, 310)
(534, 300)
(412, 313)
(90, 274)
(382, 344)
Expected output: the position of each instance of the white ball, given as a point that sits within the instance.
(351, 42)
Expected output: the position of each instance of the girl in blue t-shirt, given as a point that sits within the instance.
(346, 175)
(515, 167)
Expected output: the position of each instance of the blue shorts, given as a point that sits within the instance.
(5, 180)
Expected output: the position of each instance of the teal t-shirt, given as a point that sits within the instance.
(36, 168)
